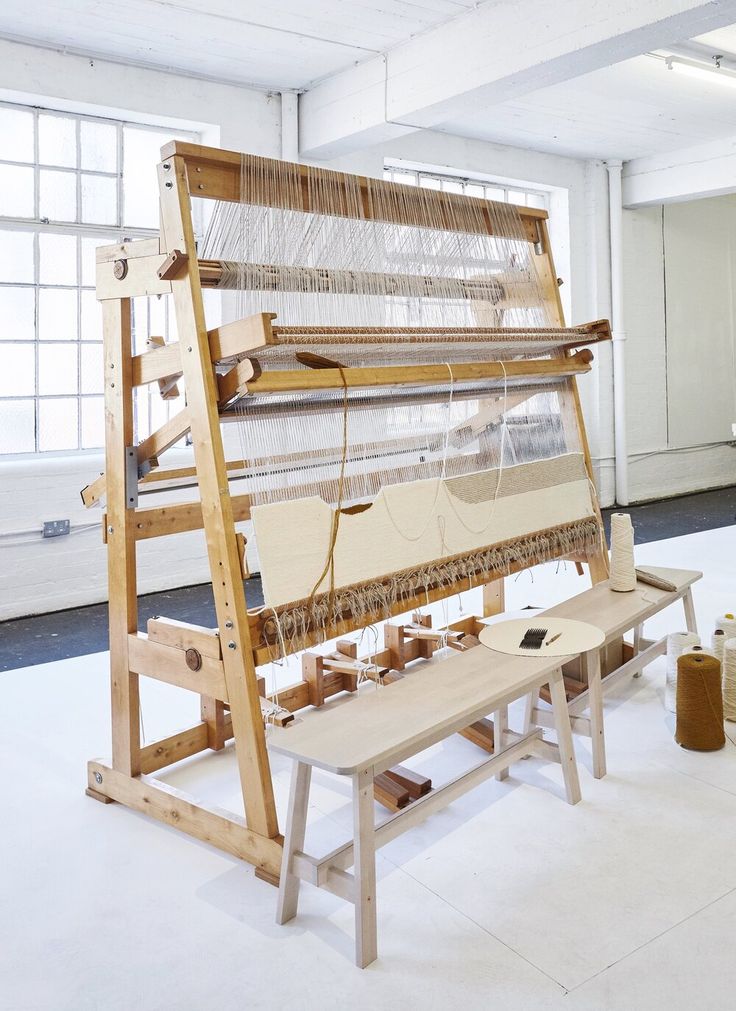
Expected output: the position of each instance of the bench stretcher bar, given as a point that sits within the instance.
(317, 870)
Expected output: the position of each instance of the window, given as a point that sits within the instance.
(485, 189)
(402, 311)
(68, 184)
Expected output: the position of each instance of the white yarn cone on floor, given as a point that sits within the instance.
(717, 643)
(729, 680)
(623, 569)
(677, 644)
(727, 622)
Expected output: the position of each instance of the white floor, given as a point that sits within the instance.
(510, 899)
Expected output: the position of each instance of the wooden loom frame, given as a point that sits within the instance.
(222, 669)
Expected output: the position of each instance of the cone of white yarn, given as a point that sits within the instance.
(727, 622)
(729, 679)
(677, 644)
(623, 569)
(717, 642)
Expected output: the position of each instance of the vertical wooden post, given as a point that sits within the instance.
(121, 569)
(222, 545)
(212, 712)
(494, 598)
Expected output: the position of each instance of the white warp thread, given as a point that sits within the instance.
(623, 569)
(677, 644)
(729, 680)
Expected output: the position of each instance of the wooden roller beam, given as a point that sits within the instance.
(303, 380)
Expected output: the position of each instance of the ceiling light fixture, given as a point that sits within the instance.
(713, 72)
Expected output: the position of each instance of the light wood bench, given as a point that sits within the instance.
(615, 613)
(385, 726)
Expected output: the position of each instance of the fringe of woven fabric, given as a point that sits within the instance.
(377, 600)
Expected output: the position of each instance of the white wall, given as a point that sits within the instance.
(681, 348)
(39, 575)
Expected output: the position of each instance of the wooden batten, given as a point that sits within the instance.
(182, 635)
(241, 336)
(168, 663)
(296, 380)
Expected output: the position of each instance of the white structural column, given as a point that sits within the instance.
(289, 126)
(618, 333)
(496, 51)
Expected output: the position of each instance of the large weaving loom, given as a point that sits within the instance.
(404, 392)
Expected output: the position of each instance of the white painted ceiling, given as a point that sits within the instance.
(632, 109)
(629, 110)
(279, 44)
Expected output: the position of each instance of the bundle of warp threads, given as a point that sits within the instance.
(699, 703)
(623, 569)
(677, 643)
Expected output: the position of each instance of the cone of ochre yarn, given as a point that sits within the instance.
(699, 703)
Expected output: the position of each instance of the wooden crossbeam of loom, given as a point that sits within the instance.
(297, 380)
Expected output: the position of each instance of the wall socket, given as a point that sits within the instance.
(56, 528)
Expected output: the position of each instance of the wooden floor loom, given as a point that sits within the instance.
(442, 346)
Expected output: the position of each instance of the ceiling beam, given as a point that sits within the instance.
(705, 170)
(499, 50)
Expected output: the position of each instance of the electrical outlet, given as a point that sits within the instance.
(56, 528)
(733, 429)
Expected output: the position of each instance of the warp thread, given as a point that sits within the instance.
(623, 569)
(677, 644)
(729, 679)
(699, 703)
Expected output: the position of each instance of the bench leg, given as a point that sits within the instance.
(364, 843)
(530, 704)
(592, 668)
(296, 824)
(564, 737)
(500, 726)
(690, 620)
(638, 632)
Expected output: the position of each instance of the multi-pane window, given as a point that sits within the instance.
(68, 184)
(417, 311)
(485, 189)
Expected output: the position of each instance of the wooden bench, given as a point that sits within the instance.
(384, 726)
(615, 613)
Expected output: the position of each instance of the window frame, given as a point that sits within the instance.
(392, 169)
